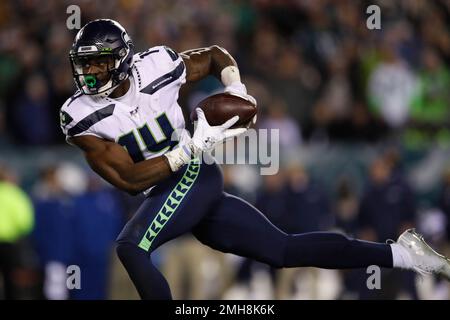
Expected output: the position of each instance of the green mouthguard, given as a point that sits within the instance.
(90, 81)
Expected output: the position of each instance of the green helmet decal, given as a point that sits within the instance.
(90, 81)
(106, 51)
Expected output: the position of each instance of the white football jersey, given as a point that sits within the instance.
(144, 119)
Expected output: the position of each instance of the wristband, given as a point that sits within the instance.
(230, 75)
(178, 157)
(182, 155)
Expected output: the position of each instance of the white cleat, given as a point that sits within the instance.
(425, 259)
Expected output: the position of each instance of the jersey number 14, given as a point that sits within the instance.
(143, 135)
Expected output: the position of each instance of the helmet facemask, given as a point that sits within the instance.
(89, 83)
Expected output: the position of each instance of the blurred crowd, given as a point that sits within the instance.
(320, 76)
(315, 67)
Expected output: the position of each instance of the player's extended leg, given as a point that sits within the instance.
(235, 226)
(172, 209)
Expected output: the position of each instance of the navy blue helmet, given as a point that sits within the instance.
(106, 41)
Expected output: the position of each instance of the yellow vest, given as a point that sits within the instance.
(16, 213)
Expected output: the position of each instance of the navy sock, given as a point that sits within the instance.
(335, 251)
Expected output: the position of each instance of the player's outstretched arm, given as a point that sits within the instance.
(203, 62)
(113, 163)
(215, 61)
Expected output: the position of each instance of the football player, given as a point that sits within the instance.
(123, 118)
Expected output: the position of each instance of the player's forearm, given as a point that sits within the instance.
(224, 67)
(130, 177)
(203, 62)
(220, 59)
(133, 178)
(143, 175)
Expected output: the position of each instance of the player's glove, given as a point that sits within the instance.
(205, 139)
(239, 89)
(231, 78)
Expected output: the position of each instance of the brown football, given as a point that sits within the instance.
(220, 107)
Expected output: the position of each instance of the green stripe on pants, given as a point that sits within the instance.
(171, 204)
